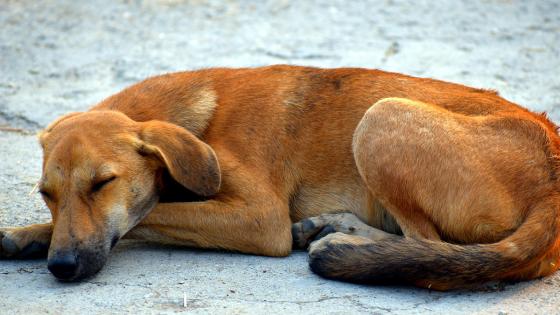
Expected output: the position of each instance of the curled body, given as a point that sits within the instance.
(426, 182)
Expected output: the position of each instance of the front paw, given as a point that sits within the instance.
(8, 247)
(24, 243)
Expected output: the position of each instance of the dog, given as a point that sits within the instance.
(389, 178)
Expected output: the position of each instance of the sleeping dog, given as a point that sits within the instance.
(390, 178)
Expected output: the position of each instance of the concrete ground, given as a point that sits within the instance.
(59, 56)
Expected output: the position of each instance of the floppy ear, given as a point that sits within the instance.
(191, 162)
(45, 132)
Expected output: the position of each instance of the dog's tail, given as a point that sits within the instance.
(440, 265)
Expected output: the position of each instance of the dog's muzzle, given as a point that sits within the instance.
(64, 265)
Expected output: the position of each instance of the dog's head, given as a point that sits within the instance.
(103, 173)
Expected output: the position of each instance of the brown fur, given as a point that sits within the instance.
(242, 153)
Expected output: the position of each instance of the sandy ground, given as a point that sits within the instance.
(61, 56)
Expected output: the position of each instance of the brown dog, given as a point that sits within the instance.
(229, 158)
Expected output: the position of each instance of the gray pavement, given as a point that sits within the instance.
(61, 56)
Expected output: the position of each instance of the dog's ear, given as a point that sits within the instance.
(45, 132)
(191, 162)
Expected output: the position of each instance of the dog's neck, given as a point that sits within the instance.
(167, 98)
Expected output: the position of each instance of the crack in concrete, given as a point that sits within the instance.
(18, 123)
(16, 130)
(352, 299)
(320, 300)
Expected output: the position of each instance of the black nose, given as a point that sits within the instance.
(63, 265)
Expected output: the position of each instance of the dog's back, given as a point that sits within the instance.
(294, 124)
(294, 127)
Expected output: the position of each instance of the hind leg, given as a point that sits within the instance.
(317, 247)
(446, 175)
(388, 144)
(412, 220)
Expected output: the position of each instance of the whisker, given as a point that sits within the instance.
(34, 190)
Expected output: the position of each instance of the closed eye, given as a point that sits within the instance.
(100, 184)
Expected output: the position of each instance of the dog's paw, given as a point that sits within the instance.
(323, 244)
(334, 239)
(7, 246)
(315, 228)
(24, 243)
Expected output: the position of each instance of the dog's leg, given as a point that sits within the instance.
(25, 242)
(325, 244)
(262, 229)
(372, 163)
(398, 147)
(315, 228)
(412, 221)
